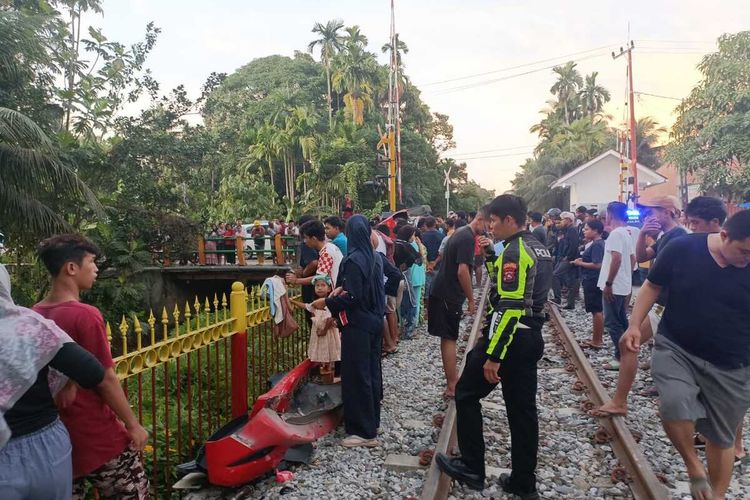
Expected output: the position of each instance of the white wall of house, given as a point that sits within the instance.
(600, 183)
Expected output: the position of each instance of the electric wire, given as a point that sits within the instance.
(541, 61)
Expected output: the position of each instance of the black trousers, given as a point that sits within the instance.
(566, 275)
(518, 378)
(361, 375)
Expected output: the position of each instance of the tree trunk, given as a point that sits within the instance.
(71, 64)
(330, 104)
(292, 177)
(270, 173)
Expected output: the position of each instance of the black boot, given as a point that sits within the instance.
(505, 484)
(458, 470)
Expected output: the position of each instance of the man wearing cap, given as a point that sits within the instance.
(660, 215)
(567, 251)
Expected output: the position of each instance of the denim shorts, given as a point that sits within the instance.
(37, 465)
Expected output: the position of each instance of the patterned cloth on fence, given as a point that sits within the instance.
(123, 477)
(27, 343)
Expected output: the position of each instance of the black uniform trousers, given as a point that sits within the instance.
(518, 377)
(361, 375)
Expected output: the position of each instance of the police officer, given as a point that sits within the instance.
(508, 351)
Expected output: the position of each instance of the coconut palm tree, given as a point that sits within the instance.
(566, 87)
(283, 145)
(593, 96)
(263, 149)
(31, 173)
(355, 71)
(401, 48)
(647, 136)
(355, 37)
(330, 43)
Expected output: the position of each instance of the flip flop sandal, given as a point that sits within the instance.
(698, 442)
(613, 366)
(589, 345)
(651, 392)
(700, 488)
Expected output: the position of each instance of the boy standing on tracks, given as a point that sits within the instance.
(105, 452)
(701, 360)
(508, 351)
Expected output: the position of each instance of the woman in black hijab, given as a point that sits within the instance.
(359, 305)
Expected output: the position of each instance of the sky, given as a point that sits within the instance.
(449, 41)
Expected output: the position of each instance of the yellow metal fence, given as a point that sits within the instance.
(177, 370)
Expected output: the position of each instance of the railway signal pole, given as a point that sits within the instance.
(631, 102)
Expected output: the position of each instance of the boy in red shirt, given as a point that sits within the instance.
(105, 434)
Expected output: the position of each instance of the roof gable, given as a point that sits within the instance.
(650, 175)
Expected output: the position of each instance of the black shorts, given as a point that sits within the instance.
(592, 296)
(443, 318)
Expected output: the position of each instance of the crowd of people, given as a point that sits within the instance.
(367, 285)
(221, 239)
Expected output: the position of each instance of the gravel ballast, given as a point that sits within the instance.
(570, 465)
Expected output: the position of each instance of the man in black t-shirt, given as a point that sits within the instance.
(450, 287)
(711, 213)
(701, 361)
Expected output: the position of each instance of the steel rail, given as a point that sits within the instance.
(644, 485)
(437, 486)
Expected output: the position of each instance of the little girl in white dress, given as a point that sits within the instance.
(325, 338)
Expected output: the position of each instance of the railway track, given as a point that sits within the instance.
(644, 483)
(633, 467)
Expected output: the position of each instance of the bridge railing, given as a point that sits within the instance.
(278, 249)
(191, 369)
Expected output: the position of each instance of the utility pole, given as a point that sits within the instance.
(631, 102)
(448, 190)
(388, 143)
(394, 107)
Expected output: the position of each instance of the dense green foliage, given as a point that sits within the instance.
(278, 137)
(712, 131)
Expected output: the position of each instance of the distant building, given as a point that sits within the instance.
(597, 182)
(685, 188)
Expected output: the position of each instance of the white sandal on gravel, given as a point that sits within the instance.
(354, 441)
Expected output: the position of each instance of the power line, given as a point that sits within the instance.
(659, 96)
(581, 52)
(509, 77)
(518, 66)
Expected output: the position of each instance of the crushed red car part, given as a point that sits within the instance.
(292, 414)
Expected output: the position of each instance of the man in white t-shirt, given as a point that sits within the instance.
(616, 275)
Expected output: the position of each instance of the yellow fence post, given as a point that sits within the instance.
(279, 246)
(240, 246)
(201, 251)
(238, 310)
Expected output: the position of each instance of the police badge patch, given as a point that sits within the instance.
(510, 272)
